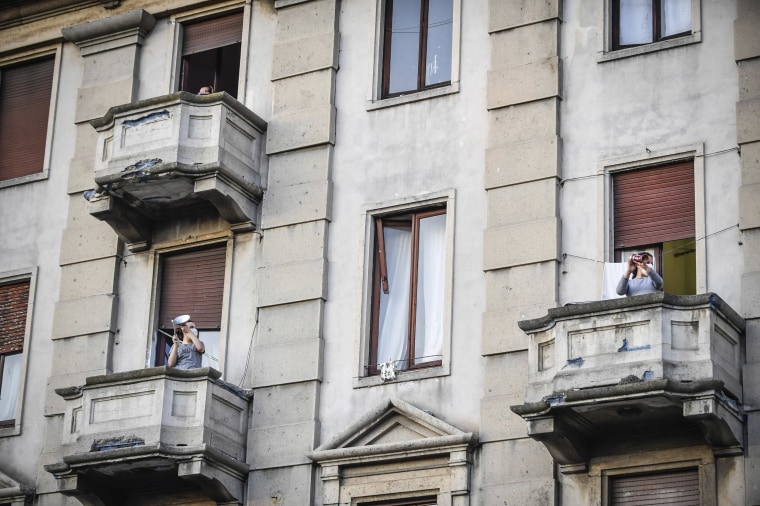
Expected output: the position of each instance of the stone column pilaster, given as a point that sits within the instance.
(521, 240)
(747, 55)
(84, 322)
(287, 369)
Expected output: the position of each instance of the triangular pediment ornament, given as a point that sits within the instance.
(394, 426)
(14, 492)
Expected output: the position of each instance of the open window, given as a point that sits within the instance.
(653, 210)
(211, 51)
(417, 45)
(408, 289)
(15, 307)
(192, 282)
(26, 89)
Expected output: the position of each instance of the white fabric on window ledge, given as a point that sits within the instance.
(612, 274)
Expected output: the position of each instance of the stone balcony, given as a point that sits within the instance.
(175, 430)
(653, 364)
(174, 156)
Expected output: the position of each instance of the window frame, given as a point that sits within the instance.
(363, 376)
(654, 158)
(7, 278)
(157, 255)
(606, 469)
(177, 22)
(377, 99)
(21, 58)
(608, 50)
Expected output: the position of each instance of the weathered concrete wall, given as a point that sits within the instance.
(637, 108)
(403, 151)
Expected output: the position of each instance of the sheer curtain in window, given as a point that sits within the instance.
(10, 385)
(394, 305)
(635, 22)
(675, 16)
(428, 337)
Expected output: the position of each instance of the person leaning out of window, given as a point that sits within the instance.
(187, 349)
(645, 279)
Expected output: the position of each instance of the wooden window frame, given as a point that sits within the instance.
(421, 52)
(656, 27)
(380, 282)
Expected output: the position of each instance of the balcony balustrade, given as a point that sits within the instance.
(639, 366)
(158, 428)
(173, 156)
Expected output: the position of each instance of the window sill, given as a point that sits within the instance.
(694, 38)
(13, 430)
(39, 176)
(413, 97)
(402, 376)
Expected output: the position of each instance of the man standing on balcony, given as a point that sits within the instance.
(645, 280)
(187, 350)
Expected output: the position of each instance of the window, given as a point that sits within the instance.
(192, 283)
(417, 45)
(211, 52)
(653, 210)
(14, 303)
(25, 93)
(408, 289)
(416, 501)
(679, 487)
(638, 22)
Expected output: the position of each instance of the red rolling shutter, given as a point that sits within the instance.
(25, 92)
(193, 283)
(212, 33)
(653, 205)
(14, 299)
(680, 488)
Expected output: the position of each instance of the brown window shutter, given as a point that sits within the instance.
(25, 92)
(193, 283)
(212, 33)
(680, 488)
(653, 205)
(14, 299)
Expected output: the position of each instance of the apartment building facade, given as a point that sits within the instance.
(396, 224)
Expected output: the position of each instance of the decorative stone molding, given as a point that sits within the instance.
(406, 443)
(112, 32)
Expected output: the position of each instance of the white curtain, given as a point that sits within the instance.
(9, 391)
(394, 305)
(635, 22)
(428, 337)
(675, 16)
(210, 340)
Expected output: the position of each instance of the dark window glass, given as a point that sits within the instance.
(417, 45)
(211, 54)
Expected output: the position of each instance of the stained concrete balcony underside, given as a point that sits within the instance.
(615, 375)
(176, 156)
(153, 431)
